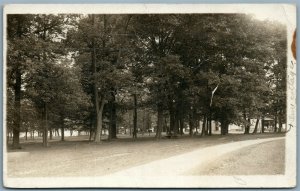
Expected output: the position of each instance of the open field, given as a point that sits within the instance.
(78, 157)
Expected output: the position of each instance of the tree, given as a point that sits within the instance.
(44, 74)
(98, 54)
(19, 40)
(155, 40)
(70, 101)
(277, 73)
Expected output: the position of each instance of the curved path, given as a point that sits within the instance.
(184, 163)
(180, 171)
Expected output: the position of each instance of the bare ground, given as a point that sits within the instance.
(82, 158)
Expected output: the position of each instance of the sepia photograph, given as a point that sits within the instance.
(149, 96)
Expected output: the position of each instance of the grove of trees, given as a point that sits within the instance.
(89, 72)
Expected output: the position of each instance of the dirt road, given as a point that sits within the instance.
(74, 159)
(265, 155)
(267, 158)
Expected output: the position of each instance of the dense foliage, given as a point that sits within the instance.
(95, 72)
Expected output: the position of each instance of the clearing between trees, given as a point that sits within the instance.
(83, 158)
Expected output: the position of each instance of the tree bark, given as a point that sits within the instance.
(135, 116)
(159, 121)
(256, 126)
(92, 124)
(98, 102)
(181, 123)
(17, 106)
(51, 133)
(17, 91)
(191, 123)
(203, 126)
(262, 125)
(177, 120)
(280, 122)
(113, 118)
(99, 121)
(130, 116)
(224, 126)
(209, 122)
(45, 119)
(62, 123)
(165, 126)
(91, 133)
(209, 127)
(246, 123)
(172, 118)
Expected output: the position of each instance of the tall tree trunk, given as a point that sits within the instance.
(92, 122)
(113, 117)
(91, 132)
(262, 124)
(177, 120)
(224, 126)
(256, 126)
(247, 123)
(181, 123)
(130, 116)
(99, 121)
(172, 118)
(203, 125)
(206, 127)
(51, 133)
(149, 123)
(62, 123)
(98, 102)
(17, 106)
(209, 122)
(135, 116)
(17, 91)
(143, 122)
(191, 123)
(275, 123)
(159, 121)
(176, 125)
(165, 126)
(45, 119)
(209, 126)
(280, 122)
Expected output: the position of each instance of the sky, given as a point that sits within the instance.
(272, 13)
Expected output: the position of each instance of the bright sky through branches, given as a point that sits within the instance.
(272, 13)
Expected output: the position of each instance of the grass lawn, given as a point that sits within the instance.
(78, 157)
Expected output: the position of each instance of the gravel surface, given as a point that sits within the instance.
(260, 159)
